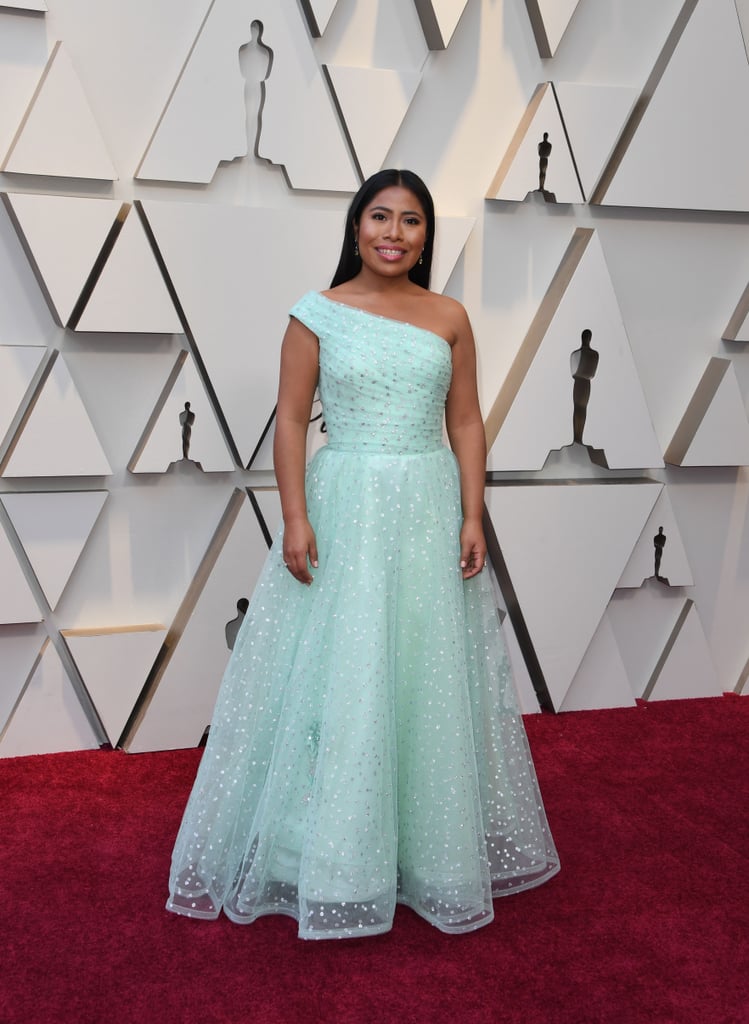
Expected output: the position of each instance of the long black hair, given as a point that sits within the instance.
(350, 262)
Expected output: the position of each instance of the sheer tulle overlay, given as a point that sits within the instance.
(366, 747)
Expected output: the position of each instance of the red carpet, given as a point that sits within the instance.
(647, 922)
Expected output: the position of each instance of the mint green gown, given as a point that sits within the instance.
(366, 748)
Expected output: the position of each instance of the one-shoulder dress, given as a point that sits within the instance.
(366, 747)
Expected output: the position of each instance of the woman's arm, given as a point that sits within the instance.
(465, 428)
(296, 390)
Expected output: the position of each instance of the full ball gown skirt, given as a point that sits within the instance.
(366, 747)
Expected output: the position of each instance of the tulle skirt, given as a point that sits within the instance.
(366, 746)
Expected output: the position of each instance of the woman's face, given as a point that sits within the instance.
(391, 232)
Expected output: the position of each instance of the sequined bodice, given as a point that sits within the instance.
(383, 383)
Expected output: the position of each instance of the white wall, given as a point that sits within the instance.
(243, 241)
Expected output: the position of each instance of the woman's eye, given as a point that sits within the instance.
(378, 216)
(413, 221)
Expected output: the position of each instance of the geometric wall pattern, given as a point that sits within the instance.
(714, 430)
(518, 174)
(373, 103)
(676, 164)
(439, 19)
(167, 202)
(204, 121)
(561, 604)
(59, 135)
(550, 19)
(53, 556)
(57, 437)
(183, 426)
(616, 422)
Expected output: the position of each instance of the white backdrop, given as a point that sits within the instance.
(176, 172)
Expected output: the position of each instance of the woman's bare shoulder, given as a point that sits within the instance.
(449, 312)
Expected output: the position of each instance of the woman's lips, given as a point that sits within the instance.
(390, 254)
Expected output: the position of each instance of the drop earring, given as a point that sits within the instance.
(421, 257)
(356, 247)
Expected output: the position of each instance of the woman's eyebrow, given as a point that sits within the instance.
(406, 213)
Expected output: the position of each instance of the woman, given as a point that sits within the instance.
(366, 748)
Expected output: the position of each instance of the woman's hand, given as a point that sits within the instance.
(472, 548)
(299, 549)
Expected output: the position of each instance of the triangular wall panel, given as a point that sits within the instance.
(59, 135)
(549, 536)
(318, 14)
(54, 528)
(685, 667)
(229, 312)
(114, 664)
(58, 439)
(18, 365)
(742, 9)
(601, 681)
(594, 116)
(737, 328)
(17, 603)
(534, 411)
(674, 564)
(373, 103)
(642, 620)
(550, 19)
(699, 162)
(269, 503)
(451, 235)
(130, 295)
(177, 712)
(162, 442)
(714, 430)
(439, 19)
(205, 120)
(63, 237)
(25, 38)
(19, 648)
(25, 5)
(519, 171)
(48, 718)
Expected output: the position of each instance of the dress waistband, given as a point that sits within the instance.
(393, 447)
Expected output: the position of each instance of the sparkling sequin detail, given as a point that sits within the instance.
(366, 746)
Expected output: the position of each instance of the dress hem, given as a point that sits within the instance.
(364, 932)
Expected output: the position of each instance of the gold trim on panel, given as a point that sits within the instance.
(149, 627)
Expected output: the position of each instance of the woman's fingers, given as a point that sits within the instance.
(298, 566)
(472, 562)
(299, 551)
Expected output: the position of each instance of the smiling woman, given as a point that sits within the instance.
(366, 748)
(370, 194)
(392, 229)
